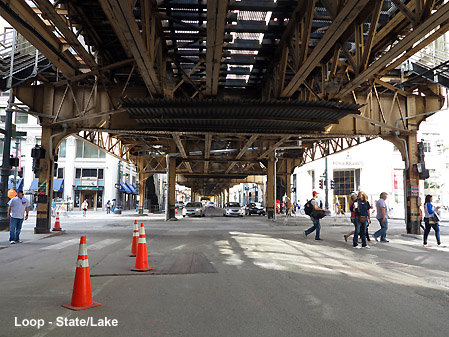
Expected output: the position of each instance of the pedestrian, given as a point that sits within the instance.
(113, 205)
(382, 217)
(431, 219)
(53, 207)
(361, 207)
(108, 207)
(315, 217)
(353, 199)
(84, 206)
(16, 210)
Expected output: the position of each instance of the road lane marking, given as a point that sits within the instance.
(101, 244)
(63, 244)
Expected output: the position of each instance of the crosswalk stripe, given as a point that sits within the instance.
(63, 244)
(101, 244)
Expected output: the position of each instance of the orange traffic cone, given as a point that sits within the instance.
(82, 292)
(57, 226)
(142, 255)
(135, 239)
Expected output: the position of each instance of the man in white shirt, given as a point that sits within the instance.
(16, 210)
(382, 217)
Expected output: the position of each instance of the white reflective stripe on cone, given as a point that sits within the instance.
(142, 240)
(136, 233)
(142, 231)
(82, 263)
(83, 249)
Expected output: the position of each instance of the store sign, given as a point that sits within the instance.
(413, 190)
(88, 188)
(42, 189)
(89, 182)
(348, 163)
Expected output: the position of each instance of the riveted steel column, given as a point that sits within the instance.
(411, 185)
(270, 189)
(45, 186)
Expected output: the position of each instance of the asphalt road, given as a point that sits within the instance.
(267, 280)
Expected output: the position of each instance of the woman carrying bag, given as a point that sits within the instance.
(431, 220)
(361, 207)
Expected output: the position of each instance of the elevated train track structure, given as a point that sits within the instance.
(207, 90)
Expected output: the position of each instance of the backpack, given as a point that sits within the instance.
(308, 207)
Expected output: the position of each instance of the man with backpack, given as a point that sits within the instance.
(316, 213)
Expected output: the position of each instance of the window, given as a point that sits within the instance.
(38, 141)
(1, 147)
(85, 150)
(60, 174)
(62, 149)
(21, 118)
(89, 173)
(344, 182)
(426, 146)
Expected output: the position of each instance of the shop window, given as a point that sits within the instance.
(78, 173)
(344, 182)
(100, 173)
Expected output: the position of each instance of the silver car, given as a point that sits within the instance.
(233, 208)
(195, 209)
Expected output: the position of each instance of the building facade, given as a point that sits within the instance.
(84, 172)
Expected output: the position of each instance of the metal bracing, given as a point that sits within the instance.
(215, 71)
(326, 147)
(121, 17)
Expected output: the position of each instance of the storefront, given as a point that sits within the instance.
(93, 195)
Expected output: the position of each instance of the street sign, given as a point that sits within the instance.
(19, 134)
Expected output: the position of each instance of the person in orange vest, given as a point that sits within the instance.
(16, 210)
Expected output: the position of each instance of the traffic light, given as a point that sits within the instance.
(332, 184)
(423, 173)
(321, 184)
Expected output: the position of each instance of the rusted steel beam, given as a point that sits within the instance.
(343, 20)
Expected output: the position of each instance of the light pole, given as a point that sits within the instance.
(6, 167)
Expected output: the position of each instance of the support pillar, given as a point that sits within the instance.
(171, 185)
(288, 184)
(142, 190)
(227, 195)
(6, 168)
(45, 186)
(411, 185)
(270, 189)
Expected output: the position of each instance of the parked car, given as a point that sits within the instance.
(211, 204)
(179, 205)
(195, 209)
(254, 208)
(233, 208)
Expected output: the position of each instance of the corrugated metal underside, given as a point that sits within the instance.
(237, 115)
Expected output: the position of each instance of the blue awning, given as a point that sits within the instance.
(33, 186)
(58, 185)
(134, 189)
(19, 185)
(124, 187)
(131, 188)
